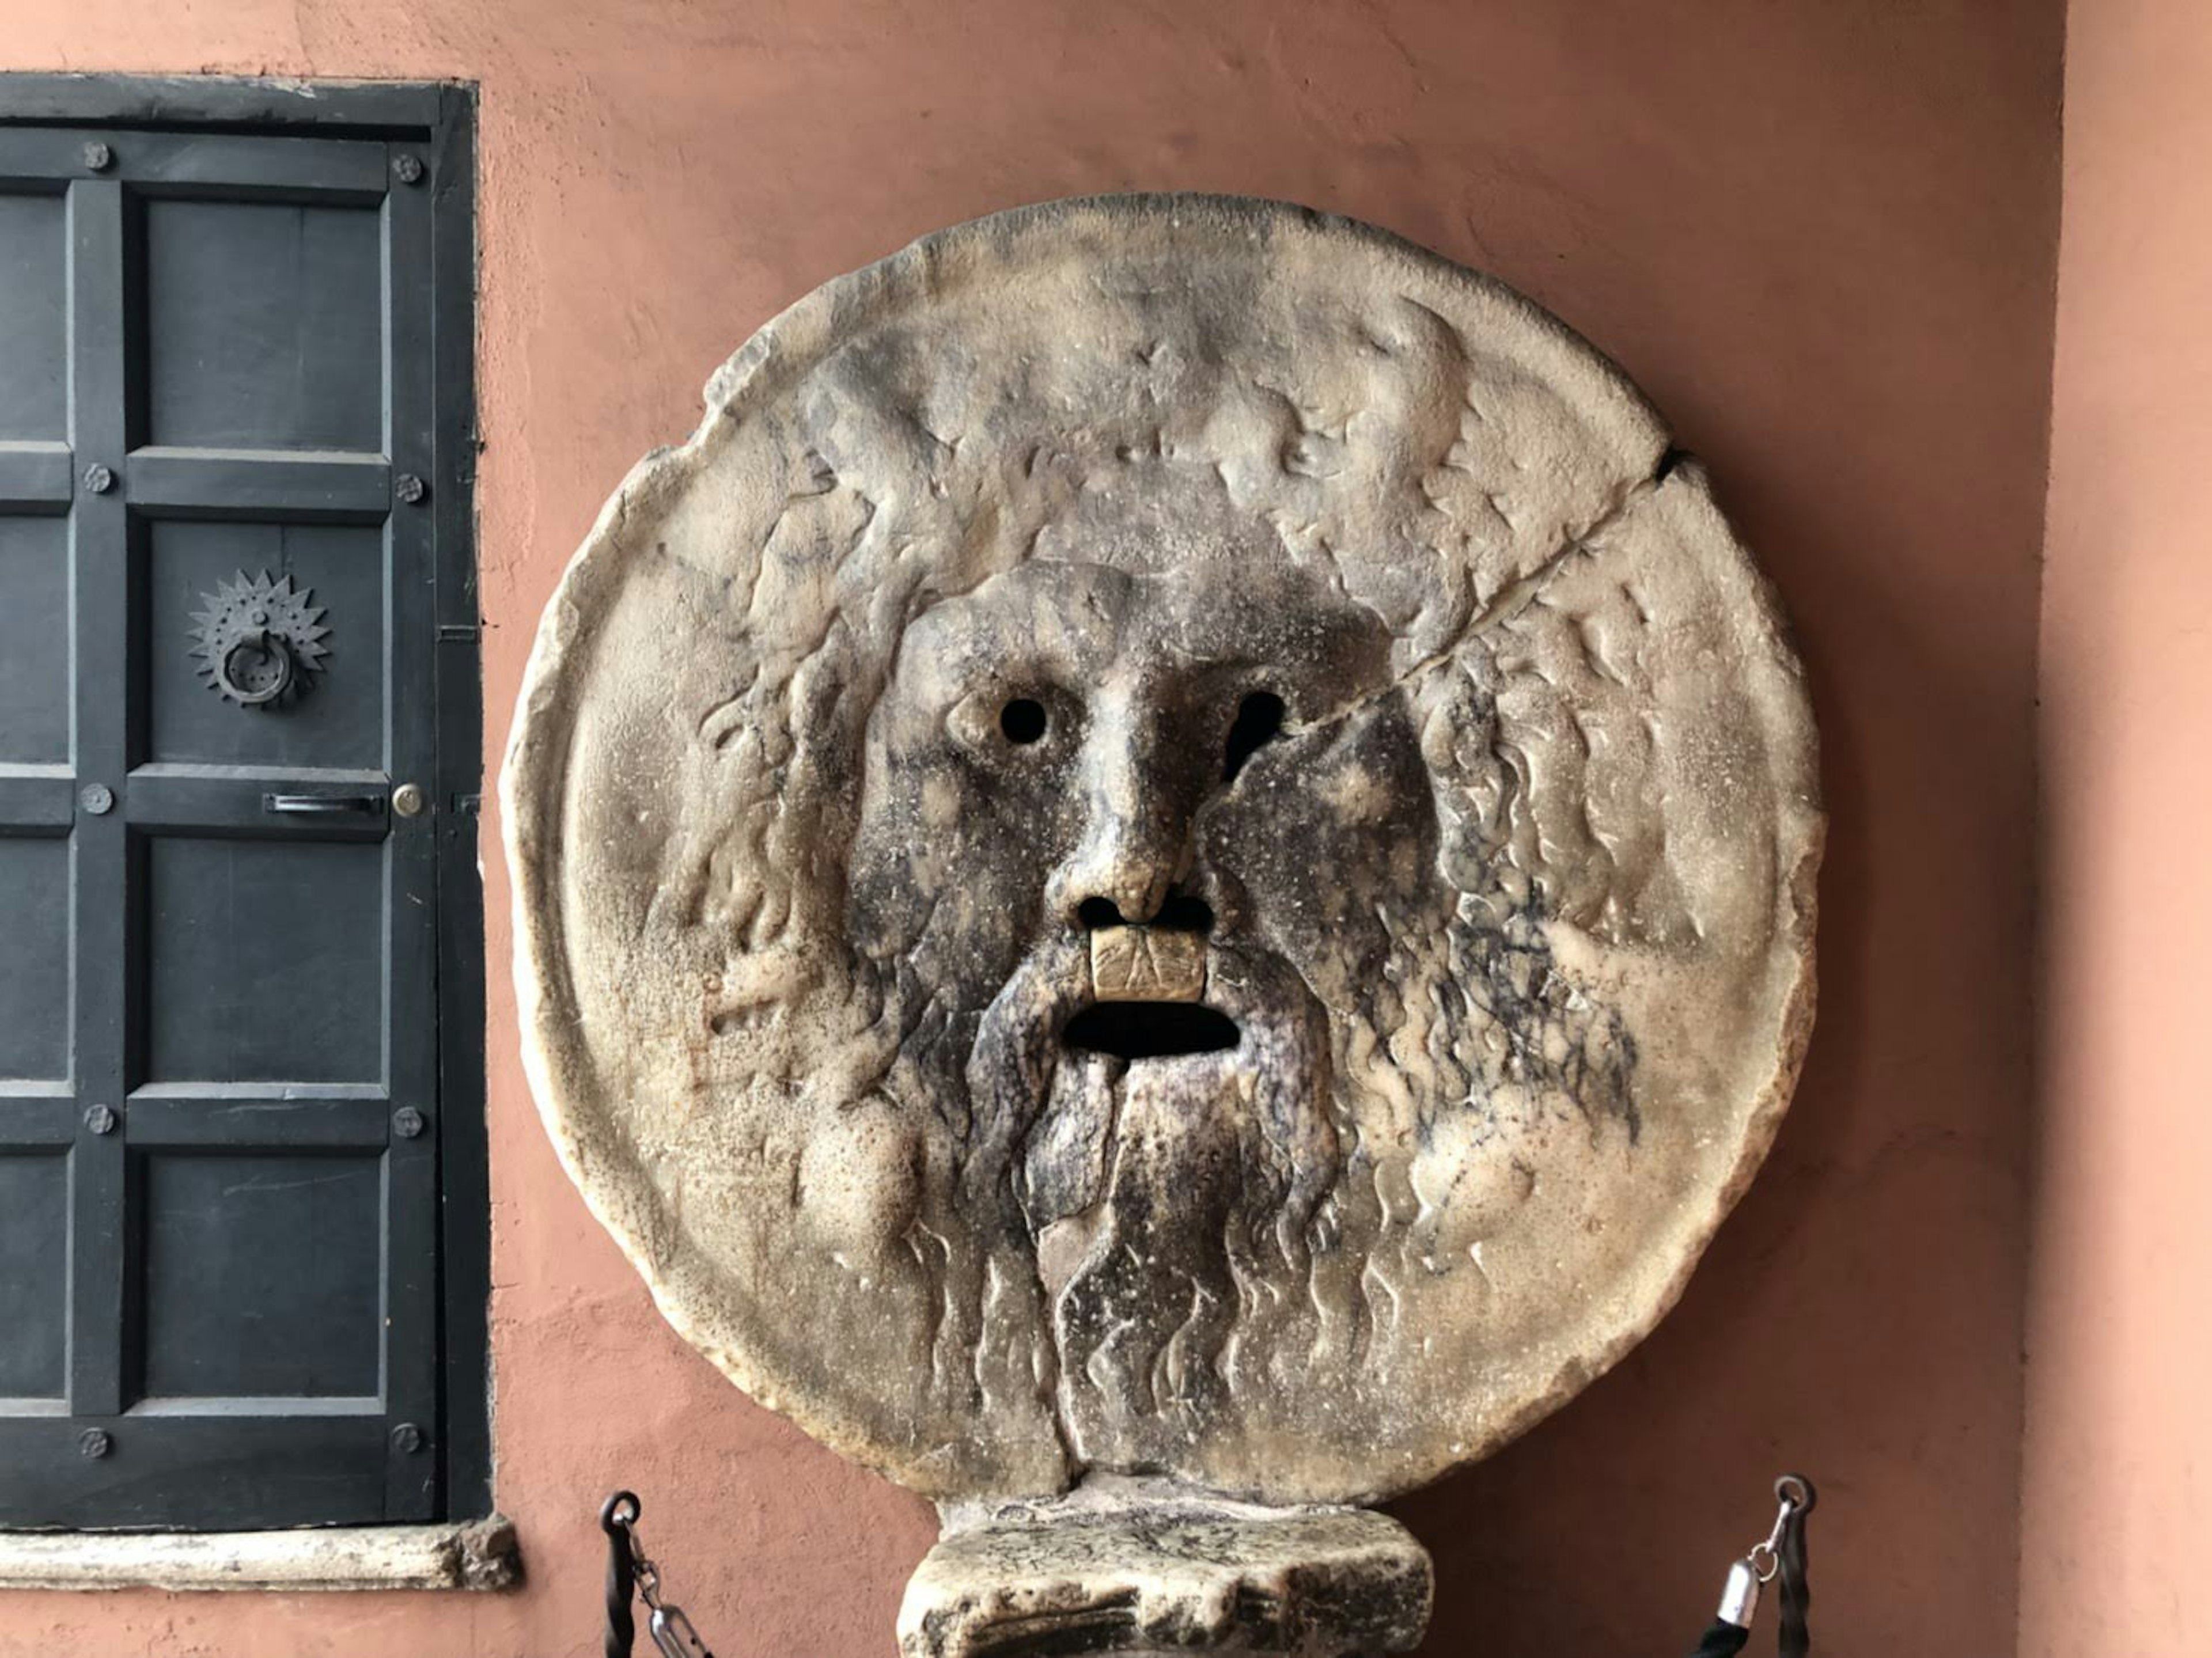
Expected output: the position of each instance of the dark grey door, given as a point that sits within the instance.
(218, 920)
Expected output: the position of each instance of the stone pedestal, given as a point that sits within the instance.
(1139, 1569)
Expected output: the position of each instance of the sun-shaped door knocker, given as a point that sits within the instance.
(259, 643)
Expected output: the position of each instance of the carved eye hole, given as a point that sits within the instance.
(1259, 718)
(1023, 720)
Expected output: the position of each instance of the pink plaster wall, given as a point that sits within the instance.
(2119, 1437)
(1821, 232)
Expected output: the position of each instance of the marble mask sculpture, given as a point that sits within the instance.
(1175, 847)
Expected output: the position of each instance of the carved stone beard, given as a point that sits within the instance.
(1460, 1050)
(1167, 1201)
(1115, 1232)
(1145, 1245)
(1189, 1229)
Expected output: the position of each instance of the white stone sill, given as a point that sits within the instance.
(478, 1555)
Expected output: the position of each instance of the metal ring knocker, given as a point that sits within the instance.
(266, 673)
(259, 641)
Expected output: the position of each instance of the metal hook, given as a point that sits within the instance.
(611, 1514)
(1797, 1492)
(616, 1515)
(1796, 1496)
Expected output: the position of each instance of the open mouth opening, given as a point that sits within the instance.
(1152, 1030)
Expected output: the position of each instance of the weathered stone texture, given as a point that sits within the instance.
(481, 1554)
(1243, 620)
(1157, 1572)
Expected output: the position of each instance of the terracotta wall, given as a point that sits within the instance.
(1820, 232)
(2119, 1435)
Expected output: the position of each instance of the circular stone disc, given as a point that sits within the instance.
(1174, 843)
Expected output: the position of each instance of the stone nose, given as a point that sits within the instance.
(1135, 841)
(1122, 871)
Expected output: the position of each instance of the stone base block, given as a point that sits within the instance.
(1167, 1575)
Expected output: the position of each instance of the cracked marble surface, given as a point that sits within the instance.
(1315, 632)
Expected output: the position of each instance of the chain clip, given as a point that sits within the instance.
(630, 1568)
(1793, 1493)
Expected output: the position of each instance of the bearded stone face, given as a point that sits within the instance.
(1160, 721)
(1174, 844)
(1159, 740)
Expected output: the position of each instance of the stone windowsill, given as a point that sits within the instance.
(477, 1554)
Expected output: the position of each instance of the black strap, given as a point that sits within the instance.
(616, 1515)
(1722, 1640)
(1794, 1640)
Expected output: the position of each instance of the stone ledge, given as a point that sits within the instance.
(479, 1554)
(1097, 1572)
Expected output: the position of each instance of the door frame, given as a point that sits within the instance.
(441, 117)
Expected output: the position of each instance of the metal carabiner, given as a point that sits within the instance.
(1739, 1594)
(630, 1570)
(672, 1633)
(1796, 1496)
